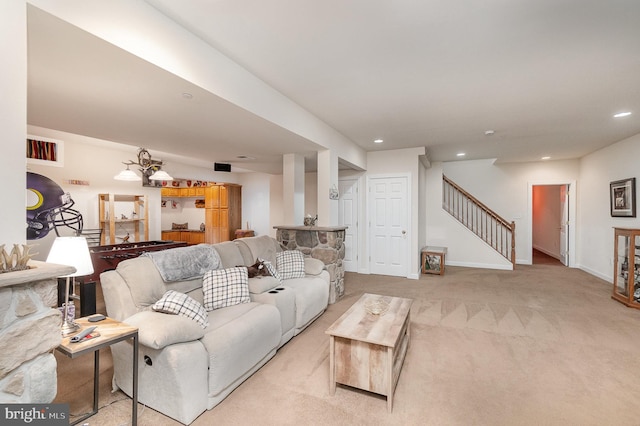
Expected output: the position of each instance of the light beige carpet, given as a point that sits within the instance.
(542, 345)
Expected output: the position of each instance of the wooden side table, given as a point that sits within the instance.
(111, 331)
(433, 260)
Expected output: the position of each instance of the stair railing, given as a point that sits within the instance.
(480, 219)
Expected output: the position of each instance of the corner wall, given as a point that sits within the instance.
(13, 120)
(595, 224)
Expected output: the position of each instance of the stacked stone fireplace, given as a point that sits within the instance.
(29, 332)
(323, 243)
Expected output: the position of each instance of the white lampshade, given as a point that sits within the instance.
(160, 175)
(128, 175)
(72, 251)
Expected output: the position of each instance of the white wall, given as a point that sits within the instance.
(256, 202)
(595, 224)
(13, 119)
(311, 194)
(463, 247)
(276, 210)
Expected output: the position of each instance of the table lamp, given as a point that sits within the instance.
(72, 251)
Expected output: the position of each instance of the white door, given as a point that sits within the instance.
(564, 224)
(348, 216)
(388, 231)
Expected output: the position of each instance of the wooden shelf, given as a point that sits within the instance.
(107, 216)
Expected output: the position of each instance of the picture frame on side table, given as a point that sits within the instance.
(623, 198)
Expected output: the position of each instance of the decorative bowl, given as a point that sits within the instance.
(376, 306)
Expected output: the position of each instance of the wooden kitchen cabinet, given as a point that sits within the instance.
(223, 212)
(190, 237)
(183, 192)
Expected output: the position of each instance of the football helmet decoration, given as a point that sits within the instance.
(49, 207)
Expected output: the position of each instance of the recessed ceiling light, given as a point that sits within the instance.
(187, 95)
(546, 158)
(489, 132)
(378, 141)
(461, 154)
(622, 114)
(245, 157)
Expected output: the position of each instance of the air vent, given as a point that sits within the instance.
(221, 167)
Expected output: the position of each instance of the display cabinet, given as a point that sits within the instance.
(626, 272)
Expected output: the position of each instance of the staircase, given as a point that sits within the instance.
(480, 219)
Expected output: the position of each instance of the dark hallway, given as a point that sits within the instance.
(540, 258)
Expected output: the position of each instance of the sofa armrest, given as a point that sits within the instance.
(313, 266)
(157, 330)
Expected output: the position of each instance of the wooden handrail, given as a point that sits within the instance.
(480, 219)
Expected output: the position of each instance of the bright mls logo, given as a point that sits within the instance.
(34, 414)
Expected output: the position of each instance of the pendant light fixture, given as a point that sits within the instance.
(149, 167)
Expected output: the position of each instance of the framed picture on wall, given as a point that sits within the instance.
(623, 198)
(45, 151)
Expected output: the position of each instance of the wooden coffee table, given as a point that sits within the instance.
(366, 350)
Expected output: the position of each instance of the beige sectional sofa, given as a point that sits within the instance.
(185, 369)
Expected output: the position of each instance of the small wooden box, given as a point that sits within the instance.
(432, 260)
(243, 233)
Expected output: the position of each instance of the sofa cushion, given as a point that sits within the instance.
(225, 287)
(157, 330)
(290, 264)
(262, 246)
(229, 254)
(239, 338)
(177, 303)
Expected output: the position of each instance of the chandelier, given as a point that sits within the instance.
(147, 166)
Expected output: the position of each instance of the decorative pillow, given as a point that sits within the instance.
(225, 287)
(173, 302)
(180, 226)
(290, 264)
(270, 268)
(157, 330)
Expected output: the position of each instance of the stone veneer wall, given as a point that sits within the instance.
(323, 243)
(29, 332)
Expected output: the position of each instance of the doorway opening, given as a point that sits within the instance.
(550, 224)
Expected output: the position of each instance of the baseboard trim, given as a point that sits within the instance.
(508, 267)
(596, 274)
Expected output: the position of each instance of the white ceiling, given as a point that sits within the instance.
(545, 75)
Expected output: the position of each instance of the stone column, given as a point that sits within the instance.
(29, 332)
(323, 243)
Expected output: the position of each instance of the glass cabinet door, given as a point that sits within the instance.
(636, 269)
(622, 265)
